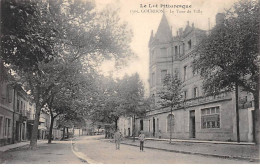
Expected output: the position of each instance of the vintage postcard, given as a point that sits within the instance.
(129, 82)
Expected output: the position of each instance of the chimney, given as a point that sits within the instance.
(220, 18)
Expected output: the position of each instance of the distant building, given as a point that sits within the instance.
(125, 126)
(198, 117)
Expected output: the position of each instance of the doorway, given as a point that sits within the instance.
(17, 134)
(192, 124)
(141, 125)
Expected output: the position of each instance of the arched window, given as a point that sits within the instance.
(170, 122)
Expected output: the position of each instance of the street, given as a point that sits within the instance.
(97, 150)
(102, 151)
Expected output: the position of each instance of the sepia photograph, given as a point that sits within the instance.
(129, 82)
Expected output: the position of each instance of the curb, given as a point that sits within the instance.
(199, 141)
(13, 147)
(81, 155)
(196, 153)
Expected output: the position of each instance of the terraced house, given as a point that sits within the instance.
(16, 110)
(198, 117)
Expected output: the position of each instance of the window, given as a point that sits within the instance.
(3, 90)
(170, 122)
(18, 105)
(153, 99)
(185, 94)
(176, 50)
(195, 92)
(21, 109)
(149, 125)
(163, 74)
(183, 48)
(210, 118)
(158, 125)
(7, 126)
(163, 52)
(189, 44)
(176, 73)
(10, 93)
(185, 73)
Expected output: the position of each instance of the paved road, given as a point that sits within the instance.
(100, 151)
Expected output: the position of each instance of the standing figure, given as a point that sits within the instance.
(117, 137)
(142, 138)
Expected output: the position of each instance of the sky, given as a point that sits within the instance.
(202, 14)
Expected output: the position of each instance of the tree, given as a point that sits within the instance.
(39, 34)
(72, 94)
(226, 57)
(170, 96)
(120, 97)
(131, 92)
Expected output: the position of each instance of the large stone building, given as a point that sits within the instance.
(198, 117)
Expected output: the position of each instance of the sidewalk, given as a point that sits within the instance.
(20, 144)
(58, 152)
(12, 146)
(242, 151)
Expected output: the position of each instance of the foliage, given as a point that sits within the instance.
(227, 55)
(42, 40)
(171, 92)
(121, 97)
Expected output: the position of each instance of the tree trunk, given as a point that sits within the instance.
(134, 129)
(63, 135)
(51, 127)
(116, 123)
(237, 114)
(33, 142)
(67, 132)
(171, 126)
(256, 119)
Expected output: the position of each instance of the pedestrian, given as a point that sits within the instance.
(141, 138)
(117, 137)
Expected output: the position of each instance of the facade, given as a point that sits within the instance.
(44, 125)
(6, 108)
(198, 117)
(15, 110)
(125, 126)
(57, 133)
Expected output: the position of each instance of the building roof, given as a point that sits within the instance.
(164, 32)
